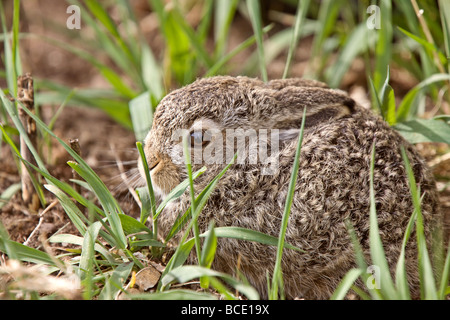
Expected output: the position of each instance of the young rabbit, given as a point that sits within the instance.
(332, 185)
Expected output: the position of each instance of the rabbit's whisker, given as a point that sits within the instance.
(125, 180)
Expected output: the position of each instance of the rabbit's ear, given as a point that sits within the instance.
(283, 108)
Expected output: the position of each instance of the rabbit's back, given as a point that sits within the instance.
(332, 189)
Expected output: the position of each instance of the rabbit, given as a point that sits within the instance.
(332, 184)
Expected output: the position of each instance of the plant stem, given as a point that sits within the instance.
(428, 35)
(25, 96)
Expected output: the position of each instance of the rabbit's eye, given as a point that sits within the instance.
(197, 139)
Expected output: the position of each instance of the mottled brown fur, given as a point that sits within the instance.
(332, 186)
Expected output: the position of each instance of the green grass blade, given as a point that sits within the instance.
(102, 15)
(9, 193)
(346, 284)
(356, 43)
(389, 105)
(209, 247)
(375, 96)
(15, 38)
(61, 185)
(403, 111)
(116, 81)
(151, 192)
(11, 75)
(196, 43)
(401, 281)
(187, 273)
(145, 240)
(383, 49)
(359, 254)
(113, 45)
(151, 72)
(115, 283)
(443, 287)
(178, 225)
(427, 45)
(10, 108)
(273, 48)
(444, 9)
(362, 265)
(18, 251)
(255, 17)
(75, 215)
(109, 100)
(141, 111)
(178, 294)
(6, 245)
(177, 191)
(80, 199)
(208, 253)
(248, 235)
(179, 56)
(428, 287)
(223, 16)
(67, 189)
(110, 75)
(181, 221)
(376, 247)
(177, 260)
(131, 225)
(204, 195)
(87, 256)
(76, 240)
(302, 9)
(108, 202)
(205, 23)
(140, 234)
(222, 61)
(200, 203)
(25, 253)
(146, 203)
(327, 20)
(424, 130)
(385, 99)
(222, 289)
(187, 159)
(277, 272)
(180, 256)
(58, 112)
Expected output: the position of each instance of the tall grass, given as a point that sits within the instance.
(109, 240)
(277, 280)
(432, 287)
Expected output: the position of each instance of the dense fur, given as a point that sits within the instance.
(332, 186)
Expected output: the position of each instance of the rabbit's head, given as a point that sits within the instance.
(215, 112)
